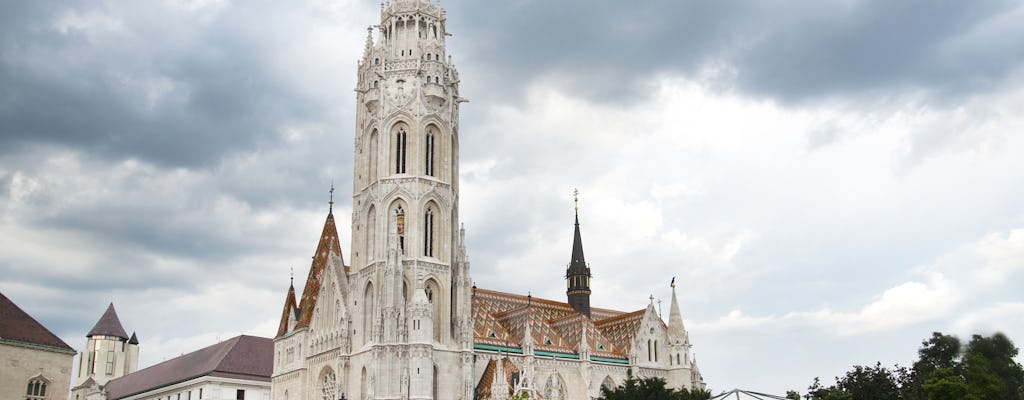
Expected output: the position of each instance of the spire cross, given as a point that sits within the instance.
(331, 209)
(576, 199)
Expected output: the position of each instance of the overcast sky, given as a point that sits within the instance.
(830, 181)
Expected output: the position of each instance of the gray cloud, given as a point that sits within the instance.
(792, 52)
(170, 86)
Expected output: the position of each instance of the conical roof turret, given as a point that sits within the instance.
(108, 325)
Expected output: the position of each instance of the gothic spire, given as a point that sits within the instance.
(676, 331)
(577, 275)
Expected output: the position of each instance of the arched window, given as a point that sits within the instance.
(371, 234)
(328, 384)
(363, 386)
(430, 151)
(434, 296)
(400, 148)
(368, 312)
(376, 84)
(374, 143)
(649, 358)
(428, 233)
(554, 389)
(36, 389)
(655, 351)
(677, 359)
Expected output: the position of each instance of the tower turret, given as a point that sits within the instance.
(577, 276)
(109, 353)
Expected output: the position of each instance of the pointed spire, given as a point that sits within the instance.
(109, 325)
(288, 311)
(134, 339)
(676, 330)
(578, 272)
(328, 246)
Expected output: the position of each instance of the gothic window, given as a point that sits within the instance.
(433, 292)
(371, 233)
(649, 358)
(328, 385)
(400, 148)
(655, 351)
(428, 233)
(555, 388)
(367, 312)
(436, 80)
(400, 221)
(430, 152)
(36, 389)
(376, 84)
(608, 383)
(677, 359)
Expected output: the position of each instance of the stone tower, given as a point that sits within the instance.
(406, 235)
(109, 353)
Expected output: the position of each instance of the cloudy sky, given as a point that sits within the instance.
(830, 181)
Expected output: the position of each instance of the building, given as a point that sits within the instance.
(109, 354)
(403, 320)
(36, 364)
(235, 369)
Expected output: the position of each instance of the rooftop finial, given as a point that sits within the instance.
(291, 276)
(331, 207)
(576, 200)
(673, 284)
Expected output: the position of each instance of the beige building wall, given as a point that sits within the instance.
(23, 363)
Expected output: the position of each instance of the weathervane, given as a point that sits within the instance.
(331, 208)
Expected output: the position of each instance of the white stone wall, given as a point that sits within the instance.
(208, 388)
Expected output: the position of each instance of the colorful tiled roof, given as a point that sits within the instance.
(329, 242)
(18, 327)
(554, 325)
(289, 309)
(483, 388)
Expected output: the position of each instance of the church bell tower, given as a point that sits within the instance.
(577, 275)
(410, 274)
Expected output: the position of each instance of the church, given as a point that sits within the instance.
(402, 319)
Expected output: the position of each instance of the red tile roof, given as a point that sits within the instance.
(329, 242)
(242, 357)
(19, 328)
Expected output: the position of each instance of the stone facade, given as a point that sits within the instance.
(25, 364)
(34, 363)
(403, 320)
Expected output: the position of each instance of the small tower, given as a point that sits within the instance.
(109, 353)
(577, 276)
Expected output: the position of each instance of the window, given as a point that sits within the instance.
(36, 389)
(110, 362)
(428, 233)
(428, 157)
(200, 393)
(240, 394)
(400, 142)
(649, 358)
(655, 351)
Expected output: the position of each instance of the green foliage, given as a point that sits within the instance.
(651, 389)
(793, 395)
(984, 369)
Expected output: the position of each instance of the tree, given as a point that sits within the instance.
(651, 389)
(793, 395)
(994, 355)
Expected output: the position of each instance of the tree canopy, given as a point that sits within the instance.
(946, 369)
(651, 389)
